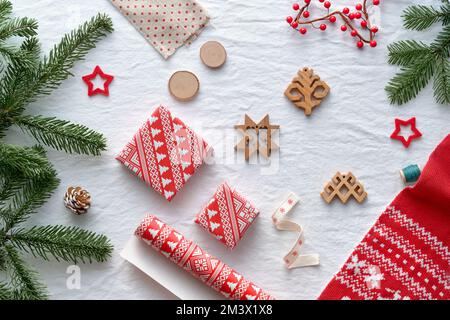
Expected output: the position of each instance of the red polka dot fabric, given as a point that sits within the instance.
(165, 24)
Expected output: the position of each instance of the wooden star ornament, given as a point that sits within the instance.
(88, 79)
(403, 123)
(257, 137)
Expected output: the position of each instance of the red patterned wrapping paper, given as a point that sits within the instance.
(164, 153)
(406, 254)
(189, 256)
(227, 216)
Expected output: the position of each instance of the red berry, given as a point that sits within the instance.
(327, 4)
(360, 44)
(376, 2)
(321, 1)
(358, 6)
(373, 43)
(296, 6)
(358, 15)
(351, 16)
(307, 2)
(306, 14)
(354, 33)
(303, 30)
(345, 10)
(289, 19)
(323, 27)
(294, 25)
(374, 29)
(344, 28)
(364, 24)
(332, 19)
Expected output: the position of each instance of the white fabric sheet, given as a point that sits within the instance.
(349, 131)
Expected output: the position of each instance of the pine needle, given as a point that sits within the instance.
(441, 84)
(5, 9)
(19, 27)
(408, 83)
(421, 17)
(420, 62)
(28, 162)
(23, 279)
(23, 82)
(2, 255)
(62, 134)
(32, 195)
(67, 243)
(407, 52)
(6, 293)
(72, 48)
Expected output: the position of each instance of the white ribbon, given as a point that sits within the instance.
(293, 259)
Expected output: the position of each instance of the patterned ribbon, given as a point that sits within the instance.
(293, 259)
(192, 258)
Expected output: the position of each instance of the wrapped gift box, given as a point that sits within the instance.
(164, 153)
(227, 216)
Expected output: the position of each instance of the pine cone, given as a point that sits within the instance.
(77, 200)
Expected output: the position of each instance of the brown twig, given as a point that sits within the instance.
(344, 18)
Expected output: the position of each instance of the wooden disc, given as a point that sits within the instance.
(213, 54)
(183, 85)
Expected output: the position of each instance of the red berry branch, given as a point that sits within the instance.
(349, 20)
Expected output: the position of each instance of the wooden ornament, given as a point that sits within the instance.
(184, 85)
(306, 90)
(213, 54)
(344, 186)
(257, 137)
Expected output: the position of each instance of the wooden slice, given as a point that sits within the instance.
(213, 54)
(183, 85)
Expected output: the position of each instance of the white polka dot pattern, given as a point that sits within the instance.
(165, 24)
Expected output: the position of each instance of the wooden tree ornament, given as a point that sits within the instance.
(306, 90)
(344, 186)
(255, 133)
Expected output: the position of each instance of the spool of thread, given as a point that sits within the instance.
(410, 174)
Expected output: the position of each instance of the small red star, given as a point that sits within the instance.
(411, 122)
(90, 77)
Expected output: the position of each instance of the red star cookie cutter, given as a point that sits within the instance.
(90, 77)
(410, 122)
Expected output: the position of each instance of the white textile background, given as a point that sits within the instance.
(349, 131)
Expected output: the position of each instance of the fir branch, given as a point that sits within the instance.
(441, 85)
(441, 45)
(2, 254)
(23, 279)
(18, 27)
(20, 57)
(6, 293)
(5, 9)
(62, 135)
(407, 52)
(28, 199)
(421, 17)
(407, 84)
(21, 86)
(67, 243)
(73, 47)
(17, 79)
(9, 185)
(23, 160)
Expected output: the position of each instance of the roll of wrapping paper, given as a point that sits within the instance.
(192, 258)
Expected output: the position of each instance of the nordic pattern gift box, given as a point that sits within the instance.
(164, 153)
